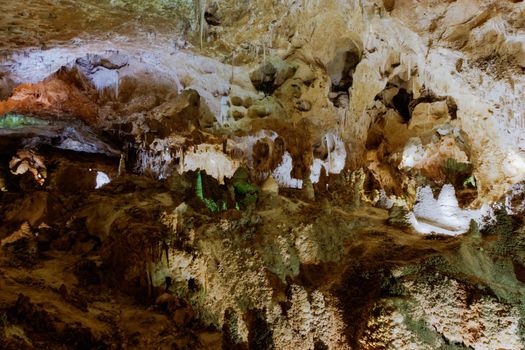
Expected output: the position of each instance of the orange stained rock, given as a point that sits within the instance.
(50, 96)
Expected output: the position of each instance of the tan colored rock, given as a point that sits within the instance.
(259, 111)
(236, 114)
(236, 100)
(303, 105)
(247, 102)
(515, 48)
(270, 185)
(482, 324)
(428, 115)
(267, 107)
(272, 74)
(29, 161)
(23, 232)
(383, 174)
(3, 187)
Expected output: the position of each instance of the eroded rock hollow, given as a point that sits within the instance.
(268, 174)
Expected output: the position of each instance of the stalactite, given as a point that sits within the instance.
(202, 10)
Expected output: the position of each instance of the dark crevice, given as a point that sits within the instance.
(401, 104)
(260, 333)
(339, 90)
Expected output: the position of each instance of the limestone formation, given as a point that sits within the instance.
(303, 174)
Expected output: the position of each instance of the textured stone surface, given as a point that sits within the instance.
(358, 103)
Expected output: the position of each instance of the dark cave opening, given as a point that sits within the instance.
(339, 89)
(401, 104)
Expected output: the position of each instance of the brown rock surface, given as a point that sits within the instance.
(257, 174)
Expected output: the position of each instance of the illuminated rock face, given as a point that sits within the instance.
(174, 150)
(443, 215)
(445, 75)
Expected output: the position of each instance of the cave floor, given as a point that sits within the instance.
(61, 286)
